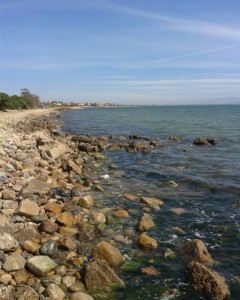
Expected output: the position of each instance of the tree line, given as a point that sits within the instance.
(26, 100)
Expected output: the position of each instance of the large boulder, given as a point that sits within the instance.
(196, 250)
(106, 251)
(99, 276)
(207, 281)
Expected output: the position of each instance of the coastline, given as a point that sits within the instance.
(50, 222)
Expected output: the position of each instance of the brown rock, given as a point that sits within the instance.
(98, 217)
(53, 152)
(8, 194)
(147, 242)
(48, 227)
(53, 207)
(28, 208)
(74, 167)
(100, 276)
(30, 246)
(55, 292)
(21, 276)
(178, 211)
(28, 233)
(207, 281)
(36, 187)
(145, 223)
(66, 219)
(80, 296)
(86, 201)
(106, 251)
(153, 203)
(121, 213)
(195, 250)
(150, 271)
(68, 243)
(63, 230)
(130, 197)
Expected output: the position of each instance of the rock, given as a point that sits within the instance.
(98, 217)
(8, 242)
(154, 203)
(86, 201)
(106, 251)
(195, 250)
(207, 281)
(49, 248)
(21, 276)
(80, 296)
(53, 207)
(36, 187)
(28, 233)
(130, 197)
(41, 265)
(63, 230)
(55, 292)
(68, 243)
(178, 211)
(28, 208)
(6, 292)
(145, 223)
(150, 271)
(5, 278)
(204, 141)
(121, 213)
(48, 227)
(26, 293)
(53, 152)
(98, 275)
(68, 280)
(74, 167)
(14, 262)
(147, 242)
(66, 219)
(178, 230)
(8, 194)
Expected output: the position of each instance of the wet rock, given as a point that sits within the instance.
(153, 203)
(98, 275)
(150, 271)
(106, 251)
(55, 292)
(98, 217)
(80, 296)
(48, 227)
(207, 281)
(28, 233)
(28, 208)
(66, 219)
(145, 223)
(14, 262)
(196, 250)
(178, 211)
(121, 213)
(49, 248)
(147, 242)
(204, 142)
(8, 242)
(130, 197)
(178, 230)
(41, 265)
(36, 187)
(86, 201)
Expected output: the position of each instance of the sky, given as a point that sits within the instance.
(122, 51)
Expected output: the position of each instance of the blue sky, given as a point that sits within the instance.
(129, 52)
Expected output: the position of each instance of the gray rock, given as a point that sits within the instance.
(80, 296)
(26, 293)
(36, 187)
(28, 233)
(55, 292)
(14, 262)
(8, 242)
(41, 265)
(49, 248)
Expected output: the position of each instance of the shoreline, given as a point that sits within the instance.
(54, 235)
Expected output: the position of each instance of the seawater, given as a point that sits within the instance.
(208, 188)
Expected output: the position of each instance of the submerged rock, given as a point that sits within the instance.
(204, 141)
(154, 203)
(209, 282)
(145, 223)
(147, 242)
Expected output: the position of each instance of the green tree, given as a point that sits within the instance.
(4, 99)
(32, 100)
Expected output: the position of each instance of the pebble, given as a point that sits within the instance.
(49, 248)
(41, 265)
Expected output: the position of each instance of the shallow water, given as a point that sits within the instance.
(208, 188)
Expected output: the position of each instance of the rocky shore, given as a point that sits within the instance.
(54, 242)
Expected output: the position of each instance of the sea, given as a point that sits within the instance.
(207, 188)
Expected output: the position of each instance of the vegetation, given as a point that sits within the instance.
(24, 101)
